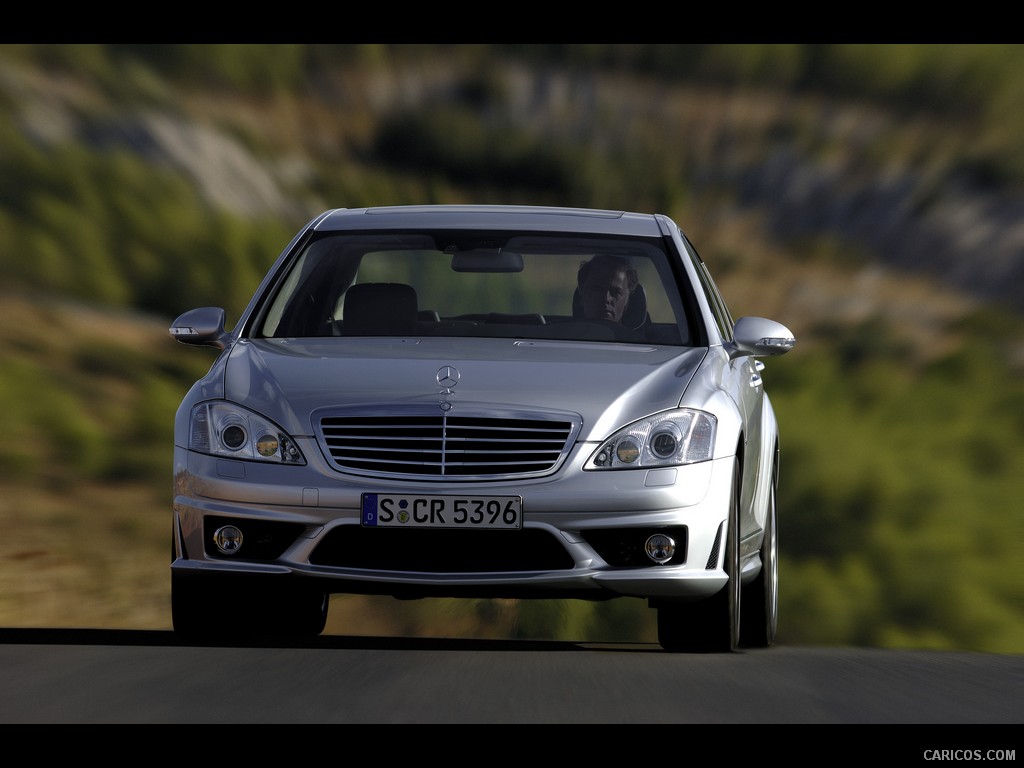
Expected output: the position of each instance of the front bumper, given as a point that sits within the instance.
(582, 535)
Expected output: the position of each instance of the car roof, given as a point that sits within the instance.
(507, 217)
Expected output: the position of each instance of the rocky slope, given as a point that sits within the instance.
(899, 192)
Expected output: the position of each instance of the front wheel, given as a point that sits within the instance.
(711, 625)
(760, 614)
(206, 607)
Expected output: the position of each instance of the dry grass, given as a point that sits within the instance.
(95, 557)
(759, 278)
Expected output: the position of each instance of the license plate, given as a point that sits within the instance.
(382, 510)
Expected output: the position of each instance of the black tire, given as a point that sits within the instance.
(296, 613)
(760, 604)
(212, 608)
(711, 625)
(193, 608)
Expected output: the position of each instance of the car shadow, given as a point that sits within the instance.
(168, 638)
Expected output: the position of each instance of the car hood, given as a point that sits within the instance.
(608, 385)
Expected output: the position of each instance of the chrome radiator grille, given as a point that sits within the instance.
(426, 443)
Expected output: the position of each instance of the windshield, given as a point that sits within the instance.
(460, 284)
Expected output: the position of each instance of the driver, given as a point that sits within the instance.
(605, 284)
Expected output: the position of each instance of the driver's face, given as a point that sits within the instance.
(605, 296)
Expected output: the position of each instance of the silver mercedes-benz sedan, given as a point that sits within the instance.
(480, 401)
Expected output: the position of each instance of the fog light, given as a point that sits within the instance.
(660, 548)
(228, 539)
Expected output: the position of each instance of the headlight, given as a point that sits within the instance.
(682, 436)
(224, 429)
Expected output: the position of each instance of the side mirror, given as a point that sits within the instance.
(761, 337)
(202, 327)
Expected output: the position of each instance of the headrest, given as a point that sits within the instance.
(379, 309)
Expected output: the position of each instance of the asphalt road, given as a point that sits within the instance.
(65, 676)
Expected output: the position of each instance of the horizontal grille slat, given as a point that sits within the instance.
(445, 445)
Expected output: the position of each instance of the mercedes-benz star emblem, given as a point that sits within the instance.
(448, 376)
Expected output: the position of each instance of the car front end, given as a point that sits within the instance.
(580, 529)
(417, 411)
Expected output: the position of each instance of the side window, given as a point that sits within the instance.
(722, 313)
(723, 319)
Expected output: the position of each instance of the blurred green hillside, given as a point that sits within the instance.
(868, 196)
